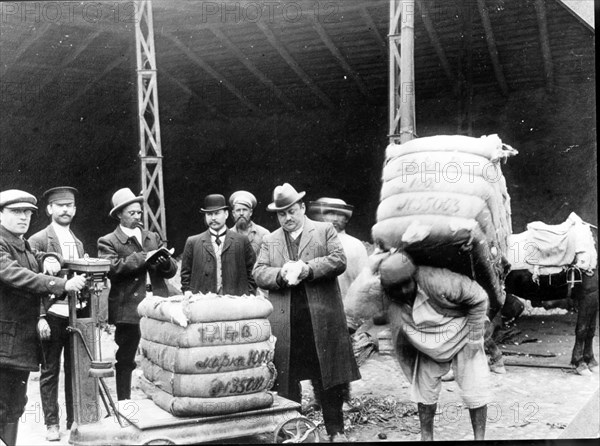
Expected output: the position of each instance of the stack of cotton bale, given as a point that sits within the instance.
(207, 354)
(444, 201)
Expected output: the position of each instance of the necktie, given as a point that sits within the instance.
(217, 239)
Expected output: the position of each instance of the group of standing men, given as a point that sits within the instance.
(297, 265)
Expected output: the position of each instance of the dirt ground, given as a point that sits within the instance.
(539, 397)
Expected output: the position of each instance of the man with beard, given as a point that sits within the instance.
(57, 237)
(131, 276)
(299, 264)
(23, 285)
(218, 260)
(242, 205)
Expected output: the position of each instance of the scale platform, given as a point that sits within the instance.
(146, 423)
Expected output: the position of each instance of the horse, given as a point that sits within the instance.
(552, 262)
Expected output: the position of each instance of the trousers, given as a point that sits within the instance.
(127, 338)
(53, 349)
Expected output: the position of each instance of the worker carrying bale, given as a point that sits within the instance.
(445, 203)
(207, 354)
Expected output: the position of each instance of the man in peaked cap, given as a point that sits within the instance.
(23, 285)
(242, 206)
(218, 260)
(57, 237)
(338, 213)
(299, 264)
(131, 276)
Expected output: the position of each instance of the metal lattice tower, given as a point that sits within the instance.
(149, 122)
(402, 73)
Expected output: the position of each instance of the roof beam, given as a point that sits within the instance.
(111, 66)
(341, 59)
(373, 27)
(212, 72)
(24, 46)
(189, 91)
(252, 68)
(492, 48)
(435, 41)
(293, 64)
(540, 11)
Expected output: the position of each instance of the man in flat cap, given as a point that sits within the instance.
(299, 265)
(218, 260)
(242, 205)
(338, 213)
(131, 276)
(23, 285)
(57, 237)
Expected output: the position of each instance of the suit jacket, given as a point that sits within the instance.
(199, 265)
(22, 285)
(128, 273)
(321, 249)
(46, 240)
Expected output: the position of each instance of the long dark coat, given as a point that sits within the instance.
(128, 273)
(199, 265)
(321, 249)
(21, 288)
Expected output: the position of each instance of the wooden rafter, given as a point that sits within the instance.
(294, 65)
(197, 60)
(23, 47)
(80, 93)
(540, 11)
(373, 27)
(492, 48)
(340, 58)
(252, 68)
(189, 91)
(435, 41)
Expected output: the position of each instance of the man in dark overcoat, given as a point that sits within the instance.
(218, 260)
(299, 264)
(57, 237)
(131, 276)
(23, 285)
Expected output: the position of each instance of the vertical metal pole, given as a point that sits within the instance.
(401, 71)
(149, 122)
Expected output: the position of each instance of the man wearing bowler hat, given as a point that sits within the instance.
(52, 326)
(299, 264)
(26, 277)
(218, 260)
(242, 205)
(131, 276)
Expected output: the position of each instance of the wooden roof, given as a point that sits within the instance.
(227, 59)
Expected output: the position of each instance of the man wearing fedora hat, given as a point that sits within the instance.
(23, 285)
(131, 276)
(242, 206)
(299, 264)
(338, 213)
(53, 323)
(218, 260)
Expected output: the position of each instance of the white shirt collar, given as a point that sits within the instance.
(61, 230)
(297, 232)
(221, 233)
(135, 232)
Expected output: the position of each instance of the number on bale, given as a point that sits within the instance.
(296, 430)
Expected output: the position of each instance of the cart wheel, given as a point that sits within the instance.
(296, 430)
(159, 441)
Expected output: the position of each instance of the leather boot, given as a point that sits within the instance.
(8, 433)
(426, 415)
(123, 385)
(478, 419)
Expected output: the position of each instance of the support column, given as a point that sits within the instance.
(402, 127)
(149, 122)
